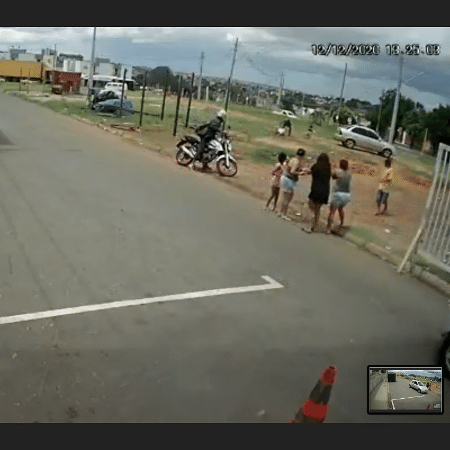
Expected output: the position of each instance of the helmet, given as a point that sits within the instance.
(222, 113)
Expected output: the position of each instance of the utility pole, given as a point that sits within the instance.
(425, 141)
(202, 59)
(177, 113)
(231, 76)
(123, 91)
(54, 59)
(165, 95)
(190, 101)
(379, 115)
(342, 94)
(397, 103)
(92, 68)
(143, 99)
(281, 90)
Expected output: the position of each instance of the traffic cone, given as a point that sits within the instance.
(315, 410)
(429, 406)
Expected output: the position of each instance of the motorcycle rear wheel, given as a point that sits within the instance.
(225, 171)
(183, 159)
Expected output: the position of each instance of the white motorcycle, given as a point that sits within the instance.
(218, 150)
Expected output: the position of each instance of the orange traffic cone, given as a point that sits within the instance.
(315, 409)
(429, 406)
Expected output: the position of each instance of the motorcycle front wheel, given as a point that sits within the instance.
(183, 159)
(225, 171)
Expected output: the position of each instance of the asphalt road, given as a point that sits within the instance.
(405, 398)
(86, 219)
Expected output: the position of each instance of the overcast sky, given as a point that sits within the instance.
(264, 53)
(425, 373)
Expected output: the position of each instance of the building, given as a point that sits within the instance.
(48, 56)
(26, 57)
(71, 81)
(4, 55)
(15, 52)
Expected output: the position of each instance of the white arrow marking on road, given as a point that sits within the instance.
(272, 284)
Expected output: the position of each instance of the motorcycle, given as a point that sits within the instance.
(219, 150)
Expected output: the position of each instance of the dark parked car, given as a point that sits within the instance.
(103, 97)
(113, 106)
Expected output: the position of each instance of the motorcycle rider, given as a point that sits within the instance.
(214, 127)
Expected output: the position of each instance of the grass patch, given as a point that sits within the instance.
(263, 155)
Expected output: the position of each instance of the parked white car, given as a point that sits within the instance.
(418, 386)
(285, 113)
(364, 138)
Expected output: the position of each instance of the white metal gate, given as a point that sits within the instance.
(432, 241)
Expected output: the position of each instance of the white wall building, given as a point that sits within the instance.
(27, 57)
(105, 69)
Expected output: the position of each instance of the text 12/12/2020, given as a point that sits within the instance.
(375, 50)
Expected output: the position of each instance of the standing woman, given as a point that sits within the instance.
(342, 194)
(289, 182)
(320, 189)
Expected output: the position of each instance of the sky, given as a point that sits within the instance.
(424, 373)
(264, 53)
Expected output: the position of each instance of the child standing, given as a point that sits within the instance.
(276, 179)
(385, 188)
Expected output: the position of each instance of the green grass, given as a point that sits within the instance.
(259, 123)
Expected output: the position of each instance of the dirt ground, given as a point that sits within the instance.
(393, 232)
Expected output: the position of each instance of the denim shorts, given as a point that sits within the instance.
(341, 199)
(288, 185)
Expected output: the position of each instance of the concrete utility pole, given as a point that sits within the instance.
(92, 68)
(54, 59)
(379, 115)
(397, 104)
(231, 76)
(280, 95)
(342, 94)
(202, 59)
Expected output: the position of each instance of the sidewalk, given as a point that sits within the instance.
(379, 398)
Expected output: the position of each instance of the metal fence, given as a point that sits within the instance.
(432, 241)
(435, 243)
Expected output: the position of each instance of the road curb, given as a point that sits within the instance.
(415, 271)
(374, 249)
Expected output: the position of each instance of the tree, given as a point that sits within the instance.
(438, 124)
(287, 104)
(387, 101)
(345, 114)
(414, 123)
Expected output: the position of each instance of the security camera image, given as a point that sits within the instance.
(197, 223)
(405, 390)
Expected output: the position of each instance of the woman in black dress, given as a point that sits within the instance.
(320, 189)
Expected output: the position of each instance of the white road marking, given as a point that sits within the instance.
(407, 398)
(272, 284)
